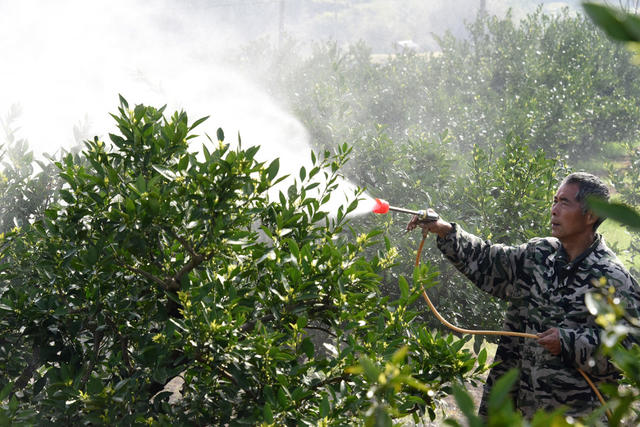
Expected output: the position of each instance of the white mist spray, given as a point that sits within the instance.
(65, 63)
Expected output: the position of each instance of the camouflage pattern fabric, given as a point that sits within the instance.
(545, 291)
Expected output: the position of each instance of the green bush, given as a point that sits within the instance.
(159, 263)
(27, 187)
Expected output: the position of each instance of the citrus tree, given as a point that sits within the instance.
(161, 265)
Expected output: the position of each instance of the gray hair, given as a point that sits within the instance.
(588, 186)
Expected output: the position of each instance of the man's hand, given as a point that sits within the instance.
(550, 339)
(439, 226)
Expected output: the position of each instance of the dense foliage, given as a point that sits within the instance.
(480, 130)
(24, 193)
(160, 263)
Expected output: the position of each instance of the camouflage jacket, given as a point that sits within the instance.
(544, 291)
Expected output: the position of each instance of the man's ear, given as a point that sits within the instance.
(591, 218)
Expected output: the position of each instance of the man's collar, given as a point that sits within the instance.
(562, 257)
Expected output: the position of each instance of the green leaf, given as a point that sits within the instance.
(94, 386)
(477, 344)
(301, 322)
(5, 391)
(618, 25)
(267, 413)
(482, 357)
(370, 369)
(616, 211)
(178, 323)
(307, 347)
(139, 111)
(502, 388)
(92, 255)
(465, 403)
(273, 168)
(120, 384)
(387, 243)
(325, 408)
(404, 287)
(13, 404)
(293, 247)
(96, 197)
(130, 206)
(37, 386)
(123, 101)
(220, 134)
(141, 184)
(400, 354)
(167, 173)
(283, 397)
(183, 163)
(197, 122)
(67, 196)
(379, 418)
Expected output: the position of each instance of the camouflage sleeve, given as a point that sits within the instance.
(491, 267)
(580, 346)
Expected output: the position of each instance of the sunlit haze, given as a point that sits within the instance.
(65, 62)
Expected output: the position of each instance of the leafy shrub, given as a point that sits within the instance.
(26, 187)
(508, 192)
(161, 264)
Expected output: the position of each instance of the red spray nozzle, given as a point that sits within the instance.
(381, 207)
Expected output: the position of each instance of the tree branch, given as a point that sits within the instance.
(164, 284)
(325, 330)
(27, 374)
(97, 340)
(174, 282)
(183, 242)
(124, 344)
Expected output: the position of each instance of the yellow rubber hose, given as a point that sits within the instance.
(507, 333)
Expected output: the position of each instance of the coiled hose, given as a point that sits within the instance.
(507, 333)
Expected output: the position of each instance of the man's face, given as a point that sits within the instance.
(567, 219)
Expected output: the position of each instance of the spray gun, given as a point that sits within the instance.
(382, 207)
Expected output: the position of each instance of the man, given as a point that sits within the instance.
(545, 281)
